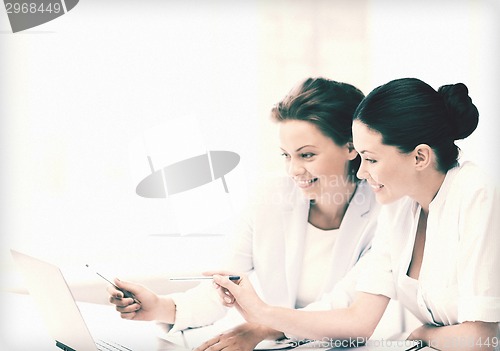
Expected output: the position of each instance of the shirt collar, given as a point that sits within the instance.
(440, 197)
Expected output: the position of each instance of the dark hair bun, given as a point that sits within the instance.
(462, 112)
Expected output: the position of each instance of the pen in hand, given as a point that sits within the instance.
(126, 293)
(230, 277)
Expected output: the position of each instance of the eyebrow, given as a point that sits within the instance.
(366, 151)
(300, 148)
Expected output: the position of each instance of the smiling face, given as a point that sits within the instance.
(313, 160)
(389, 172)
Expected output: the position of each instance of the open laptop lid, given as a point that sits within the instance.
(53, 297)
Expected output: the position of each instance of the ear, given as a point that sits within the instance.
(423, 156)
(352, 152)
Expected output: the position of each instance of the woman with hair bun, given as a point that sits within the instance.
(436, 248)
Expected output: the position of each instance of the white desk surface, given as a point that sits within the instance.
(22, 328)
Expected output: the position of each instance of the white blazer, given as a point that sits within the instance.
(269, 245)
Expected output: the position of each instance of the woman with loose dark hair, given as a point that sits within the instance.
(304, 234)
(437, 240)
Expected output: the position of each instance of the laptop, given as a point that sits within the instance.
(65, 323)
(60, 312)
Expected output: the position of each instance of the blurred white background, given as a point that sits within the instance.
(76, 91)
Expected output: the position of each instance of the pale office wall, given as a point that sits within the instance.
(369, 43)
(443, 42)
(77, 90)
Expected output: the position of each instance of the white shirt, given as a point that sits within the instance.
(318, 247)
(269, 244)
(459, 278)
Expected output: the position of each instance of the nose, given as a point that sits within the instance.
(295, 168)
(362, 173)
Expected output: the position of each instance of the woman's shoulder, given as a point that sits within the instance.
(469, 178)
(467, 185)
(277, 191)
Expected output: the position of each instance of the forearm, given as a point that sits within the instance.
(357, 321)
(470, 336)
(266, 333)
(318, 325)
(165, 311)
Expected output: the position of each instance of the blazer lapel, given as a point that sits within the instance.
(351, 241)
(295, 219)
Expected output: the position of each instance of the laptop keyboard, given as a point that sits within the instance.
(110, 346)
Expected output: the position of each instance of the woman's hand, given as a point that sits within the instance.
(241, 295)
(243, 338)
(144, 307)
(466, 336)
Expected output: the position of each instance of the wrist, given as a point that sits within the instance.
(263, 314)
(264, 332)
(165, 310)
(421, 333)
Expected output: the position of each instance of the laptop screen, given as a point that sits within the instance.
(51, 293)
